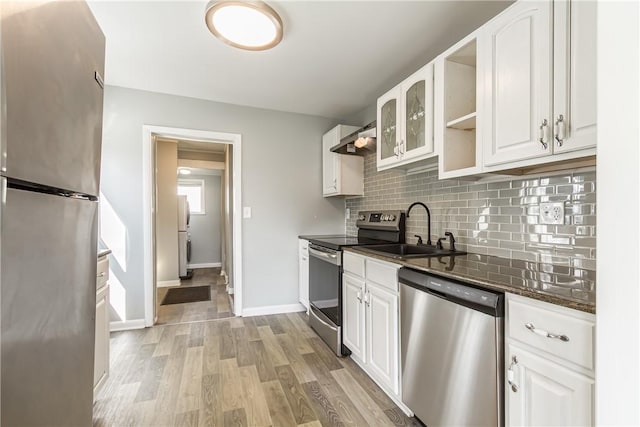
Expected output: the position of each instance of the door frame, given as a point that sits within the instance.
(148, 169)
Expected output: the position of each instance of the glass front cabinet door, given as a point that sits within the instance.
(405, 121)
(388, 128)
(416, 138)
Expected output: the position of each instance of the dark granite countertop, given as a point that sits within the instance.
(319, 236)
(103, 252)
(556, 284)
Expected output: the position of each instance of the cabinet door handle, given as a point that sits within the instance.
(559, 130)
(511, 374)
(101, 274)
(359, 296)
(367, 298)
(402, 147)
(543, 134)
(396, 150)
(543, 333)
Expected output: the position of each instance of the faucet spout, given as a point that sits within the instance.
(428, 218)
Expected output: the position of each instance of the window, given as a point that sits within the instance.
(194, 190)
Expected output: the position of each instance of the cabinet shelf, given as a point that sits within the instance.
(466, 122)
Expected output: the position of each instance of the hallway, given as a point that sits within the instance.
(256, 371)
(219, 307)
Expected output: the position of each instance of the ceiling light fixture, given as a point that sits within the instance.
(249, 25)
(184, 171)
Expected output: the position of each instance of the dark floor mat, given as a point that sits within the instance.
(187, 294)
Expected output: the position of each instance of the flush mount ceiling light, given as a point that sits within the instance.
(184, 171)
(250, 25)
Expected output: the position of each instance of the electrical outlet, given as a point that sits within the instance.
(552, 213)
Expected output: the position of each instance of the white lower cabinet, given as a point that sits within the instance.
(549, 364)
(303, 272)
(101, 360)
(548, 394)
(370, 316)
(353, 315)
(381, 319)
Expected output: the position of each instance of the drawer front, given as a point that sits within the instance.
(573, 332)
(352, 263)
(382, 273)
(102, 272)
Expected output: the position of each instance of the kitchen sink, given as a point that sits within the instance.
(405, 250)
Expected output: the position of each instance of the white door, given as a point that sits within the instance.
(574, 100)
(382, 335)
(353, 315)
(330, 161)
(417, 106)
(517, 48)
(303, 272)
(547, 393)
(388, 128)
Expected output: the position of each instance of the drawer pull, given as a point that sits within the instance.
(544, 333)
(101, 274)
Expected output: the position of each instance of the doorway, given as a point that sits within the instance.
(190, 191)
(212, 288)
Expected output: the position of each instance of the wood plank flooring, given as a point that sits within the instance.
(254, 371)
(219, 307)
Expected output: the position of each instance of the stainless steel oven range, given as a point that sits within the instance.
(325, 270)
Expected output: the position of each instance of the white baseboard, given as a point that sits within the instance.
(168, 283)
(272, 309)
(126, 325)
(205, 265)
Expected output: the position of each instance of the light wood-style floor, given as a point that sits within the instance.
(255, 371)
(218, 307)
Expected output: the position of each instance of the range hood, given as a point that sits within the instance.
(360, 142)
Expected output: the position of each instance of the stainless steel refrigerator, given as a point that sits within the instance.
(52, 60)
(184, 241)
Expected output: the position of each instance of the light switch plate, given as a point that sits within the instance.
(552, 213)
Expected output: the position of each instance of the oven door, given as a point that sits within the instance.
(325, 296)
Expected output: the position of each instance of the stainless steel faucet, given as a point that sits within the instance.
(428, 219)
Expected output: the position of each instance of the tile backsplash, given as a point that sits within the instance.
(495, 217)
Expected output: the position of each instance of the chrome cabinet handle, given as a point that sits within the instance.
(559, 130)
(359, 296)
(511, 374)
(367, 298)
(402, 147)
(543, 333)
(396, 150)
(543, 136)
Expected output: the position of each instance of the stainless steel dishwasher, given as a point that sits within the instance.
(452, 346)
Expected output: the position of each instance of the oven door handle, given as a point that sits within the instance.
(332, 258)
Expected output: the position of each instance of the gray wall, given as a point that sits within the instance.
(205, 229)
(497, 218)
(281, 181)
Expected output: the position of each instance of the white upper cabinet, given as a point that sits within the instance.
(457, 118)
(405, 121)
(518, 52)
(388, 132)
(574, 66)
(540, 84)
(342, 174)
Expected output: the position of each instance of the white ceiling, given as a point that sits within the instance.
(336, 57)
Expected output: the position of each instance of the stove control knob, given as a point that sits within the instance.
(385, 217)
(392, 217)
(361, 217)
